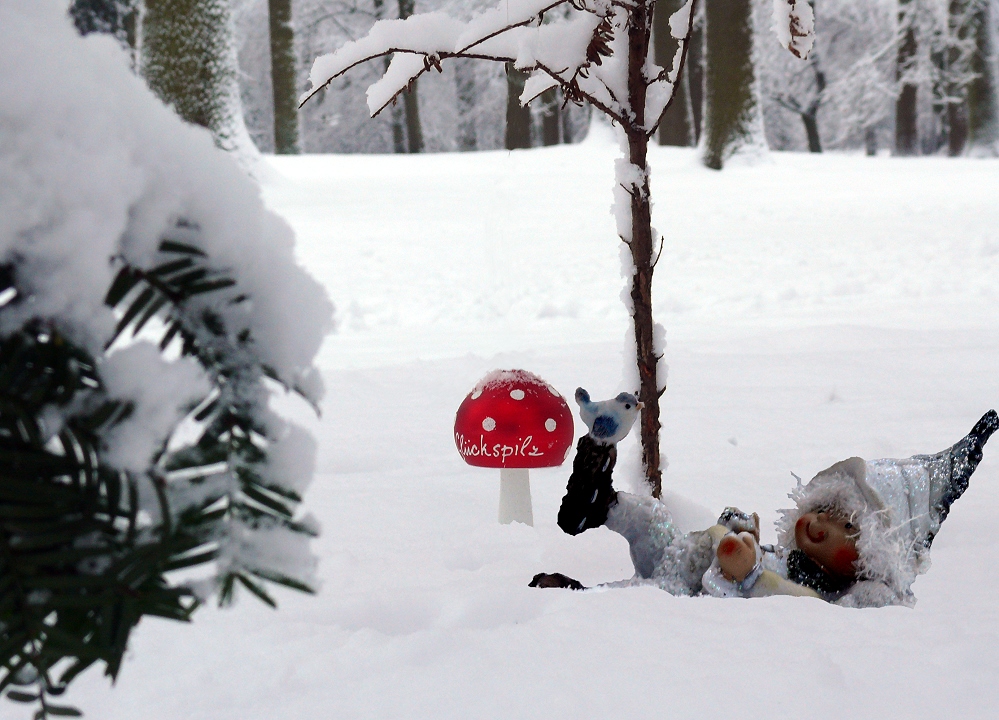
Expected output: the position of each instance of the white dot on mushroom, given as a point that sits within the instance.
(517, 394)
(476, 394)
(488, 424)
(550, 425)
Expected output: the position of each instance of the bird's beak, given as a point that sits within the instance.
(640, 405)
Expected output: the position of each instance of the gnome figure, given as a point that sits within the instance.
(859, 534)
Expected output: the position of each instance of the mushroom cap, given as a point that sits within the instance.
(513, 419)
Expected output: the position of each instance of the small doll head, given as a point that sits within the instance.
(828, 537)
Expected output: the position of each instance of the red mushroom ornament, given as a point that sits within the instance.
(513, 420)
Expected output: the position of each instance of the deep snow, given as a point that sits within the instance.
(864, 323)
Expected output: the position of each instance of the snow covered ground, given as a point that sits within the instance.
(817, 307)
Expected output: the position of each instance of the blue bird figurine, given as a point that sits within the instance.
(609, 421)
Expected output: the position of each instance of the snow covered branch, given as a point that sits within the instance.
(584, 53)
(794, 23)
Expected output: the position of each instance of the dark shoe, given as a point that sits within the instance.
(555, 580)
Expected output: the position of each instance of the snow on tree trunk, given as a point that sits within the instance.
(598, 54)
(518, 117)
(732, 114)
(677, 126)
(189, 60)
(283, 63)
(983, 92)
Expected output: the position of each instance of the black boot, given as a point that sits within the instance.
(964, 458)
(589, 494)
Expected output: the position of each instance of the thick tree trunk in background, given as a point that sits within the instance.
(983, 92)
(731, 109)
(518, 118)
(283, 63)
(551, 118)
(465, 93)
(190, 63)
(411, 99)
(906, 109)
(677, 125)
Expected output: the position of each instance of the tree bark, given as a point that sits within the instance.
(906, 109)
(283, 78)
(677, 126)
(641, 245)
(812, 132)
(731, 106)
(551, 118)
(464, 80)
(518, 117)
(694, 70)
(411, 98)
(983, 92)
(189, 62)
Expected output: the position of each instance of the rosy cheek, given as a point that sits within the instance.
(844, 559)
(800, 525)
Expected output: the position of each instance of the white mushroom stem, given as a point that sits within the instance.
(515, 496)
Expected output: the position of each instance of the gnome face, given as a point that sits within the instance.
(829, 538)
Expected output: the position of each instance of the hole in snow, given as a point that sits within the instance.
(550, 425)
(488, 424)
(517, 394)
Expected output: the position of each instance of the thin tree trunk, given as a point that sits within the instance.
(731, 106)
(695, 78)
(551, 118)
(677, 125)
(641, 246)
(812, 132)
(957, 105)
(283, 78)
(395, 113)
(906, 109)
(518, 117)
(464, 81)
(870, 142)
(983, 92)
(411, 98)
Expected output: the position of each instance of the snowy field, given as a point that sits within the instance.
(817, 307)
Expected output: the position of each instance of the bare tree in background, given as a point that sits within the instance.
(732, 112)
(518, 115)
(983, 91)
(677, 125)
(283, 71)
(906, 109)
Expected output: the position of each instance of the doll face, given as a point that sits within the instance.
(830, 539)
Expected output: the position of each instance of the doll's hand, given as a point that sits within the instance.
(737, 555)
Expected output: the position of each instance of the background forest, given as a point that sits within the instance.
(873, 60)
